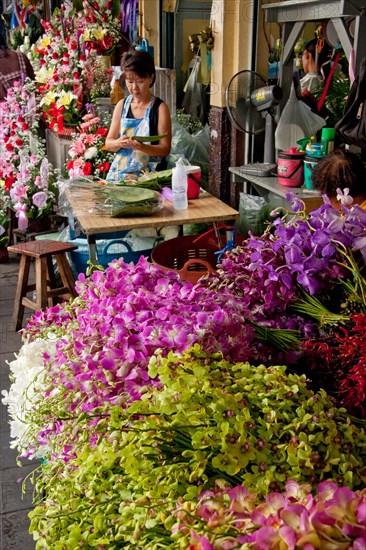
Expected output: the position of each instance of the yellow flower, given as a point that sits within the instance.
(44, 75)
(45, 41)
(66, 99)
(48, 99)
(98, 33)
(86, 36)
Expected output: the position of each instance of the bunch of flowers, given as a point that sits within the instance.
(19, 119)
(207, 423)
(307, 252)
(32, 195)
(28, 373)
(342, 355)
(102, 77)
(63, 72)
(99, 29)
(135, 409)
(28, 178)
(88, 154)
(235, 518)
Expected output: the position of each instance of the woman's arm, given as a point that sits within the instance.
(161, 149)
(113, 142)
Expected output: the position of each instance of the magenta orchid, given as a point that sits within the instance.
(333, 518)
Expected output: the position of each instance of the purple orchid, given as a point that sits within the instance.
(40, 199)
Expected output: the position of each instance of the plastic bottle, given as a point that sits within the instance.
(179, 186)
(327, 139)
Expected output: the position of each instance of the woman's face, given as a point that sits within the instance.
(306, 59)
(138, 86)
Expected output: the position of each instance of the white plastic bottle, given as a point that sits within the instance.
(179, 186)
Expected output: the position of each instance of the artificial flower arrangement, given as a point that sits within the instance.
(63, 71)
(99, 26)
(29, 180)
(137, 415)
(101, 80)
(33, 193)
(88, 154)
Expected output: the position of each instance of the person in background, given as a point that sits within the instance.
(14, 66)
(339, 170)
(140, 114)
(312, 61)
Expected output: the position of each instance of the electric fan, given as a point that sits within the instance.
(250, 103)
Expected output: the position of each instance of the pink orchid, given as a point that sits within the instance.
(19, 192)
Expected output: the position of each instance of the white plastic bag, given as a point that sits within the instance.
(193, 97)
(297, 121)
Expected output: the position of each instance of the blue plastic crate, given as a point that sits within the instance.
(107, 251)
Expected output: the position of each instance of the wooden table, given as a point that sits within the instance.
(205, 209)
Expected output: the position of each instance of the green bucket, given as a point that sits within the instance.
(309, 165)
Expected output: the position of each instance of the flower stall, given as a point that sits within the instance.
(68, 60)
(226, 414)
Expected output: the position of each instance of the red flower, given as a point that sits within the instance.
(88, 169)
(9, 147)
(55, 55)
(104, 167)
(70, 165)
(25, 127)
(19, 142)
(106, 43)
(9, 182)
(101, 132)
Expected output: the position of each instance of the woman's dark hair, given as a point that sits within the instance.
(311, 47)
(139, 62)
(338, 170)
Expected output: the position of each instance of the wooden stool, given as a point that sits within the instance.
(46, 290)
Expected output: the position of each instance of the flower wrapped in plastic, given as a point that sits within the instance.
(88, 154)
(28, 177)
(100, 28)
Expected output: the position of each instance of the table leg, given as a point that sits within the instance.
(92, 249)
(218, 235)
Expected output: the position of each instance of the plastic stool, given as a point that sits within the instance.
(45, 287)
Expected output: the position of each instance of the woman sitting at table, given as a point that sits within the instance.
(339, 170)
(140, 114)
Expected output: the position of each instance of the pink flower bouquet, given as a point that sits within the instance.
(88, 154)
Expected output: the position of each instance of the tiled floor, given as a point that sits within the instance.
(14, 507)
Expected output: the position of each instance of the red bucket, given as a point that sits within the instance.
(290, 168)
(194, 181)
